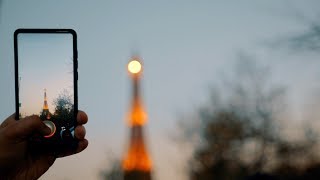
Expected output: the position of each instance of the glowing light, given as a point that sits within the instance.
(45, 104)
(137, 159)
(134, 66)
(137, 115)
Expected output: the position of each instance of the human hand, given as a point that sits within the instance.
(17, 160)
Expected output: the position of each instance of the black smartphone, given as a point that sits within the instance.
(46, 78)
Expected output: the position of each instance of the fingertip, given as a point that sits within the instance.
(80, 132)
(46, 131)
(82, 117)
(82, 145)
(39, 124)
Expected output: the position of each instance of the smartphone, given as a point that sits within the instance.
(46, 78)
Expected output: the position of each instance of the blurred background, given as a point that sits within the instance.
(231, 89)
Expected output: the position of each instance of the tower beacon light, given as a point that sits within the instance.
(134, 66)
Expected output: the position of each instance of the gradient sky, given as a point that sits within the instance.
(187, 46)
(45, 62)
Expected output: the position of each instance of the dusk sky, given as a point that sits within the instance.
(186, 46)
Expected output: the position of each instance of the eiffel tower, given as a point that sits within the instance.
(45, 114)
(137, 164)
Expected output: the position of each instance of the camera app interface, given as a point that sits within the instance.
(45, 73)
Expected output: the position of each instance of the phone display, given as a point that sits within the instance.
(46, 80)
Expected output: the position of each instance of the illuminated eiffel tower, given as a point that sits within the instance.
(45, 110)
(137, 164)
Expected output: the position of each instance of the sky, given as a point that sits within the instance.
(186, 46)
(45, 64)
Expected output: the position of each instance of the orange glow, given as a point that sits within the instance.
(45, 104)
(137, 159)
(137, 115)
(134, 67)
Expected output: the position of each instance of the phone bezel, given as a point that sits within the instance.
(75, 63)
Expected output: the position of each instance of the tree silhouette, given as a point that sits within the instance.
(114, 170)
(63, 107)
(240, 134)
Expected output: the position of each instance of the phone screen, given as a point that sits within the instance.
(46, 87)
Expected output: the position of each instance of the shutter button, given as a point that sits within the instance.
(52, 127)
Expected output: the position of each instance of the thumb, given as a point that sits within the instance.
(29, 125)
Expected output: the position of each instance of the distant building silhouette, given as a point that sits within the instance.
(137, 164)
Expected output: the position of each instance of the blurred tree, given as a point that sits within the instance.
(240, 135)
(308, 39)
(114, 171)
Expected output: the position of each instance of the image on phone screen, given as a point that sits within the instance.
(46, 80)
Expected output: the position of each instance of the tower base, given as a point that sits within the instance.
(137, 175)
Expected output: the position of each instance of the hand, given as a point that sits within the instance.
(17, 160)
